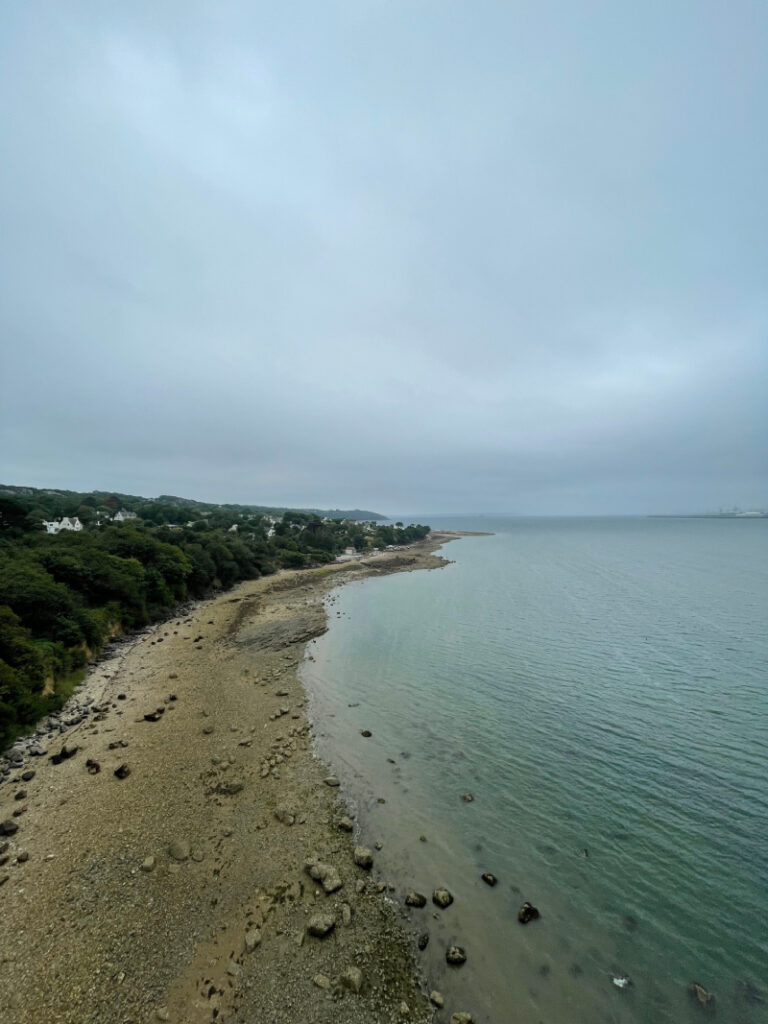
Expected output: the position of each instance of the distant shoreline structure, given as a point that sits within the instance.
(708, 515)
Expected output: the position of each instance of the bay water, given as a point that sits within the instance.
(600, 688)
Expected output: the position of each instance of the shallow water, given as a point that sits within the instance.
(601, 688)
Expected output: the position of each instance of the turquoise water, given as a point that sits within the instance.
(601, 687)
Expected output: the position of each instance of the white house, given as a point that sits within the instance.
(67, 523)
(123, 515)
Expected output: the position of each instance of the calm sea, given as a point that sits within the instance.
(600, 686)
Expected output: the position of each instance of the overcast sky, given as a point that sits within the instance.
(423, 255)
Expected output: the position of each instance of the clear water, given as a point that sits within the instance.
(601, 688)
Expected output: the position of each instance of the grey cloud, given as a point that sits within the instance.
(408, 257)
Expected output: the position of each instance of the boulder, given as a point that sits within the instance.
(327, 875)
(363, 857)
(442, 898)
(527, 913)
(415, 899)
(8, 828)
(285, 814)
(179, 849)
(321, 925)
(352, 979)
(455, 956)
(252, 939)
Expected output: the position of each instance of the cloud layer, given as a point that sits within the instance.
(505, 257)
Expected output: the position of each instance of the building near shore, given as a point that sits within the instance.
(67, 523)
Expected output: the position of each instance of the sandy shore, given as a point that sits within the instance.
(180, 891)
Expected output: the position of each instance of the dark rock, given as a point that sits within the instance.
(702, 996)
(8, 828)
(21, 795)
(415, 899)
(467, 798)
(345, 824)
(28, 775)
(4, 879)
(423, 940)
(488, 878)
(630, 923)
(152, 716)
(455, 956)
(366, 732)
(121, 696)
(442, 898)
(122, 772)
(93, 766)
(23, 857)
(527, 913)
(63, 755)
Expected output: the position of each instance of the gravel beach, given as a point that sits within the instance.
(179, 853)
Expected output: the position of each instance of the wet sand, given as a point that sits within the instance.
(180, 891)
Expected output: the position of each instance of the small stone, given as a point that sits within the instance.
(321, 981)
(363, 857)
(378, 846)
(162, 1013)
(332, 781)
(252, 939)
(423, 940)
(489, 879)
(93, 766)
(346, 915)
(352, 979)
(461, 1018)
(285, 814)
(28, 775)
(207, 730)
(436, 999)
(467, 798)
(442, 898)
(234, 969)
(345, 824)
(321, 925)
(148, 864)
(21, 795)
(366, 732)
(122, 772)
(415, 899)
(455, 956)
(179, 849)
(23, 857)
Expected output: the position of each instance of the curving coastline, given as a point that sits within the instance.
(178, 890)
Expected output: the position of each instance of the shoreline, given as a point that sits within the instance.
(180, 892)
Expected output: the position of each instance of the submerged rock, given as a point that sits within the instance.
(423, 940)
(527, 913)
(442, 898)
(455, 956)
(415, 899)
(488, 878)
(701, 995)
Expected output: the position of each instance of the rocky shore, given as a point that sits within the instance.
(170, 849)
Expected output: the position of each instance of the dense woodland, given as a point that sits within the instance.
(63, 596)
